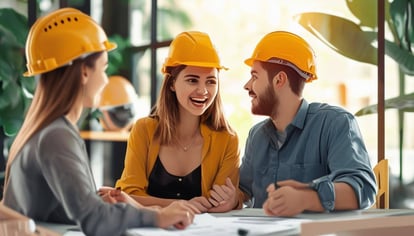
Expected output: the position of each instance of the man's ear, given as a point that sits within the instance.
(279, 79)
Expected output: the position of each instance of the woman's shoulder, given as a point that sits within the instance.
(58, 136)
(147, 120)
(218, 134)
(60, 127)
(144, 123)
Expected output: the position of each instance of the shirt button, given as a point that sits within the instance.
(180, 179)
(178, 194)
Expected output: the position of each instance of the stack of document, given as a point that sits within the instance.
(209, 225)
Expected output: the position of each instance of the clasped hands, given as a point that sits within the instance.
(222, 198)
(289, 198)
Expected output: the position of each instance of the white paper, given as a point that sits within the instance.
(209, 225)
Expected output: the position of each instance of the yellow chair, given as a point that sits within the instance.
(382, 175)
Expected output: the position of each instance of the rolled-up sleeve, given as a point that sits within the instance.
(349, 160)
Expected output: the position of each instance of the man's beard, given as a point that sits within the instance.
(267, 103)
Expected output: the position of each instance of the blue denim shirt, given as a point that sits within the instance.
(322, 142)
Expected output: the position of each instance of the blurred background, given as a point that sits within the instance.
(144, 29)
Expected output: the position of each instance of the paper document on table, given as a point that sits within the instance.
(209, 225)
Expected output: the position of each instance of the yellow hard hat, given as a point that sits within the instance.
(60, 37)
(118, 104)
(192, 48)
(288, 49)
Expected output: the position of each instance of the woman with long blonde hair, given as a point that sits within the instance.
(48, 175)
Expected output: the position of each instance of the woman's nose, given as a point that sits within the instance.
(202, 89)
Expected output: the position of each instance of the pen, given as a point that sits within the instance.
(242, 232)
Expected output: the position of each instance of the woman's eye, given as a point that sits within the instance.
(212, 81)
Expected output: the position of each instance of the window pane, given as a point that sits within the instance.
(142, 81)
(140, 29)
(171, 19)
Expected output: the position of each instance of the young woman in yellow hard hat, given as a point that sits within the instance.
(48, 175)
(185, 149)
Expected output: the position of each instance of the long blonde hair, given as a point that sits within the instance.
(167, 112)
(56, 93)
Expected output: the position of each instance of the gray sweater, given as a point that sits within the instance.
(51, 181)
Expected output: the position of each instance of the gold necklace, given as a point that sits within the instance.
(186, 148)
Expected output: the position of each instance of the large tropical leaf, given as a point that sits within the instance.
(365, 11)
(342, 35)
(402, 103)
(403, 58)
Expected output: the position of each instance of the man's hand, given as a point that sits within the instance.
(288, 199)
(201, 203)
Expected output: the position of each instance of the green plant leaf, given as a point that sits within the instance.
(12, 117)
(15, 90)
(365, 11)
(10, 95)
(402, 17)
(403, 58)
(118, 57)
(16, 23)
(7, 38)
(340, 34)
(402, 103)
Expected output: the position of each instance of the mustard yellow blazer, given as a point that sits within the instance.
(220, 158)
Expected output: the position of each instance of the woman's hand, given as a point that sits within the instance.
(223, 197)
(104, 191)
(179, 214)
(114, 195)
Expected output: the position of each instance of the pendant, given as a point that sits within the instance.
(185, 149)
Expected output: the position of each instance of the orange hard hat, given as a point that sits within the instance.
(288, 49)
(118, 104)
(118, 91)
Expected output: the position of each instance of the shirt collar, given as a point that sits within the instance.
(299, 120)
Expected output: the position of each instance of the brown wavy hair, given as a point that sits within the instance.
(166, 110)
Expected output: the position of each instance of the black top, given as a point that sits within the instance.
(165, 185)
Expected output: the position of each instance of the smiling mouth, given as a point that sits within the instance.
(199, 100)
(252, 95)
